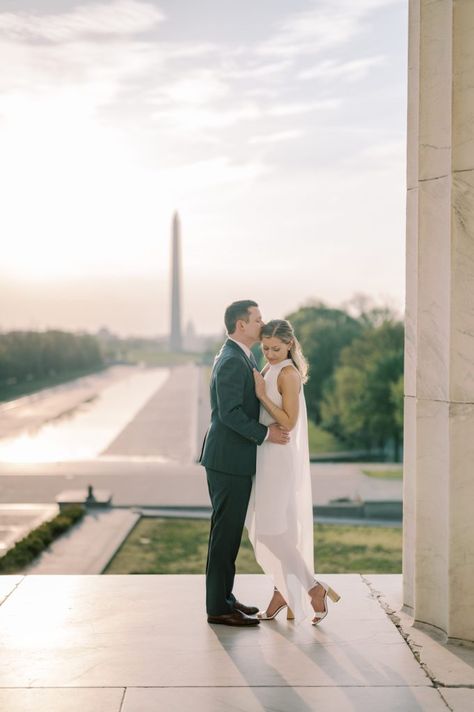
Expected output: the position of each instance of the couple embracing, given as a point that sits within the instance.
(257, 462)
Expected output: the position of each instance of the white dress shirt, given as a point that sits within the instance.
(244, 347)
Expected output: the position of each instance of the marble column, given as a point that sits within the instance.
(438, 550)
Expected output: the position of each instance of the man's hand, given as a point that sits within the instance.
(278, 434)
(260, 386)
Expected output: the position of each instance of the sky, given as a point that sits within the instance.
(277, 130)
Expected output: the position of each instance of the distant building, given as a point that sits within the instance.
(105, 334)
(197, 343)
(190, 340)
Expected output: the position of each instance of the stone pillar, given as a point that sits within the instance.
(438, 551)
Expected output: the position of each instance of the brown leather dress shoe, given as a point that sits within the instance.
(248, 610)
(235, 618)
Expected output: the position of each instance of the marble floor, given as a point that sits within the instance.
(142, 643)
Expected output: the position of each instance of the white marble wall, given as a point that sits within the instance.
(438, 564)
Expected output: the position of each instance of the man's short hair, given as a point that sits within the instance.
(235, 311)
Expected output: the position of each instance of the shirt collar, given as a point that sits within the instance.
(244, 348)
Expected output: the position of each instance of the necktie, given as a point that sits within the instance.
(253, 361)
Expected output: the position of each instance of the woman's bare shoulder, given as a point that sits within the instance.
(290, 375)
(291, 371)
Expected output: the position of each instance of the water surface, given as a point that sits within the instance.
(87, 430)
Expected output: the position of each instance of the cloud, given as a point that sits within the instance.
(293, 108)
(258, 70)
(276, 137)
(197, 119)
(188, 50)
(51, 56)
(196, 88)
(121, 17)
(352, 70)
(63, 51)
(216, 172)
(189, 117)
(389, 150)
(330, 23)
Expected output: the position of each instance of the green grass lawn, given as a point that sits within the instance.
(385, 474)
(179, 546)
(320, 440)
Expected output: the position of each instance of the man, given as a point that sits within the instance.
(229, 455)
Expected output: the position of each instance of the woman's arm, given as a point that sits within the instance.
(289, 381)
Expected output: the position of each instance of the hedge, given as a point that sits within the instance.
(27, 549)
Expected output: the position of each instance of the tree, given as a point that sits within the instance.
(31, 355)
(361, 402)
(322, 332)
(397, 397)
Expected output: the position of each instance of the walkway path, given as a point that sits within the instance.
(89, 545)
(142, 643)
(157, 484)
(166, 426)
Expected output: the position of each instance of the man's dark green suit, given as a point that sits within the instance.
(229, 454)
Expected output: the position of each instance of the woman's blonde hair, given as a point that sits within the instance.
(282, 329)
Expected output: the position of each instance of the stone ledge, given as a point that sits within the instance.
(445, 663)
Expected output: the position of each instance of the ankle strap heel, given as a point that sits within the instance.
(328, 591)
(333, 595)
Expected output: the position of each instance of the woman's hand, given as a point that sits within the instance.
(260, 389)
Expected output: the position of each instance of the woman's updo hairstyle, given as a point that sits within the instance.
(282, 329)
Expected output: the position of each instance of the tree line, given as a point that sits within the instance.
(355, 386)
(35, 355)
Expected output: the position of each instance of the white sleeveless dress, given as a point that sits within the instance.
(280, 513)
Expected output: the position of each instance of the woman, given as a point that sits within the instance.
(280, 512)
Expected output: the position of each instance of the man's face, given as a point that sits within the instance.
(253, 326)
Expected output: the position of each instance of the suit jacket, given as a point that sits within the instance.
(230, 444)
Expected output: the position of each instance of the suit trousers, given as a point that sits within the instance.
(230, 496)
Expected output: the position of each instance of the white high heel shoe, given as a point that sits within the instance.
(262, 615)
(328, 591)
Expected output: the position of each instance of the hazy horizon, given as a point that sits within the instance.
(70, 318)
(277, 130)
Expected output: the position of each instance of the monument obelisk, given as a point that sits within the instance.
(176, 341)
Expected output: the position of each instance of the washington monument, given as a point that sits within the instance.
(176, 342)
